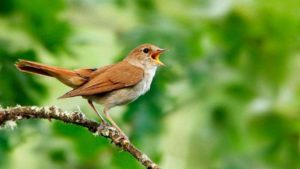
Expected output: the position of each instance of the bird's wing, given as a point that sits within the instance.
(118, 76)
(91, 72)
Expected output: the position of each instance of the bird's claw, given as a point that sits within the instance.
(123, 136)
(100, 127)
(104, 123)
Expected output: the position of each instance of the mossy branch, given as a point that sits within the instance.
(32, 112)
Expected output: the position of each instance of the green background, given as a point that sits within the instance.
(229, 97)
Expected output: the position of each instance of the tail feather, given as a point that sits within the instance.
(68, 77)
(32, 67)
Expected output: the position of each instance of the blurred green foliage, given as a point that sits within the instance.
(40, 19)
(228, 97)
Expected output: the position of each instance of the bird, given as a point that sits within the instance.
(111, 85)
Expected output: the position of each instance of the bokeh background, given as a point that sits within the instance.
(229, 97)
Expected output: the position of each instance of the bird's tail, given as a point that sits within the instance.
(68, 77)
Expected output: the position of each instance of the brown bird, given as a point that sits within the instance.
(111, 85)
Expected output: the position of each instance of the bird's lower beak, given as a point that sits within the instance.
(155, 56)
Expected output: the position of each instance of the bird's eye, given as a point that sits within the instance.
(146, 50)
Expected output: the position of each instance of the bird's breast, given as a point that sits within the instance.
(144, 85)
(126, 95)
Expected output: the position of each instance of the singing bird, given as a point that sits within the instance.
(111, 85)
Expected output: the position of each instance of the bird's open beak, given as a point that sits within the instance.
(155, 56)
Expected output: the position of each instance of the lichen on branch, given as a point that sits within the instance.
(11, 115)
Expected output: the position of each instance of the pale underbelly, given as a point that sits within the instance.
(118, 97)
(125, 95)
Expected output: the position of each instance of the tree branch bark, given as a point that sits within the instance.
(19, 113)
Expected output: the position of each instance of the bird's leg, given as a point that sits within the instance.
(93, 107)
(105, 112)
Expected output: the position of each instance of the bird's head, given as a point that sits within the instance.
(146, 54)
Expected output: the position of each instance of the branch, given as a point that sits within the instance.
(19, 113)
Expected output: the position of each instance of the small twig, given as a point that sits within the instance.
(19, 113)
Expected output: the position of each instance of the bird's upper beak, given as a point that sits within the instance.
(155, 55)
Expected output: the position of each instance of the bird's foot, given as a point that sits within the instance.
(104, 123)
(106, 130)
(123, 137)
(100, 127)
(120, 134)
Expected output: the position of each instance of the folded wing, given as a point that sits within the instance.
(115, 77)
